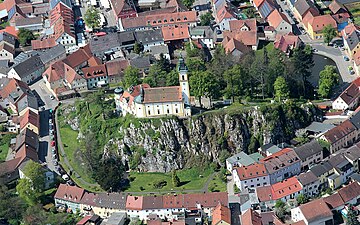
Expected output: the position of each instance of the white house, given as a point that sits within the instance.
(28, 71)
(251, 176)
(204, 34)
(238, 160)
(348, 99)
(143, 101)
(316, 212)
(310, 183)
(280, 22)
(7, 52)
(48, 175)
(96, 76)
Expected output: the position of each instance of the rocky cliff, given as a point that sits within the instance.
(172, 143)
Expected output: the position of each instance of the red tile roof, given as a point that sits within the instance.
(94, 71)
(334, 201)
(319, 22)
(221, 213)
(134, 203)
(335, 6)
(249, 38)
(29, 117)
(250, 24)
(9, 166)
(311, 215)
(264, 193)
(79, 57)
(350, 192)
(62, 17)
(116, 67)
(357, 58)
(257, 3)
(234, 44)
(69, 193)
(122, 9)
(275, 18)
(251, 217)
(10, 30)
(286, 42)
(43, 44)
(340, 131)
(12, 86)
(285, 188)
(251, 171)
(84, 220)
(26, 152)
(172, 33)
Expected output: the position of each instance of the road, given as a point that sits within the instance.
(230, 185)
(43, 95)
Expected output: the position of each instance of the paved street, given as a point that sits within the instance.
(230, 185)
(43, 95)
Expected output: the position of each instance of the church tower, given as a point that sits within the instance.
(184, 81)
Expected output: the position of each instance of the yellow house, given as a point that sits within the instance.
(30, 120)
(316, 25)
(334, 180)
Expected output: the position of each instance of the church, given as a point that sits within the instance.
(143, 101)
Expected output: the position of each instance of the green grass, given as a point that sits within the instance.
(191, 179)
(217, 184)
(354, 10)
(4, 145)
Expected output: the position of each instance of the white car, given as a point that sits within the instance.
(65, 177)
(52, 97)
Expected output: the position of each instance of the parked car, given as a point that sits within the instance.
(52, 97)
(65, 177)
(54, 156)
(55, 163)
(51, 127)
(53, 144)
(50, 121)
(346, 58)
(70, 182)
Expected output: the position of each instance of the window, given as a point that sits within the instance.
(176, 111)
(158, 111)
(149, 112)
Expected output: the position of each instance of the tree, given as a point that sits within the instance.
(25, 36)
(11, 206)
(280, 209)
(138, 48)
(172, 78)
(92, 17)
(195, 64)
(109, 174)
(175, 179)
(203, 83)
(27, 193)
(236, 79)
(205, 19)
(303, 62)
(131, 76)
(188, 3)
(281, 88)
(136, 222)
(35, 172)
(302, 199)
(254, 145)
(328, 79)
(329, 33)
(259, 70)
(352, 217)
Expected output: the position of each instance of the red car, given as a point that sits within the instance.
(52, 143)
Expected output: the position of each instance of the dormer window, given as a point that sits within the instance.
(185, 18)
(165, 20)
(171, 20)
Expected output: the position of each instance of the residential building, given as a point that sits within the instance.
(316, 25)
(352, 154)
(96, 76)
(30, 120)
(7, 52)
(249, 177)
(142, 63)
(303, 7)
(268, 149)
(149, 38)
(157, 51)
(238, 160)
(28, 71)
(357, 63)
(322, 171)
(317, 129)
(27, 138)
(336, 7)
(81, 58)
(115, 69)
(116, 218)
(351, 38)
(48, 175)
(7, 38)
(280, 22)
(43, 44)
(287, 43)
(221, 215)
(310, 153)
(266, 8)
(204, 34)
(321, 216)
(251, 217)
(12, 91)
(350, 194)
(175, 33)
(27, 102)
(349, 98)
(310, 183)
(51, 55)
(342, 171)
(69, 197)
(123, 9)
(34, 24)
(282, 165)
(143, 101)
(224, 15)
(343, 135)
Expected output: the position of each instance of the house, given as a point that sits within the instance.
(342, 171)
(287, 43)
(244, 31)
(155, 20)
(251, 217)
(175, 33)
(251, 176)
(48, 175)
(235, 47)
(266, 7)
(349, 98)
(334, 202)
(157, 51)
(43, 44)
(336, 7)
(204, 34)
(142, 63)
(284, 191)
(7, 38)
(322, 171)
(310, 183)
(224, 15)
(27, 138)
(238, 160)
(221, 215)
(303, 7)
(12, 91)
(34, 24)
(7, 52)
(282, 165)
(317, 129)
(81, 58)
(123, 9)
(143, 101)
(62, 21)
(27, 102)
(30, 120)
(351, 38)
(51, 55)
(352, 154)
(90, 220)
(316, 25)
(116, 218)
(321, 216)
(280, 22)
(68, 197)
(268, 149)
(357, 63)
(28, 71)
(341, 136)
(310, 153)
(115, 69)
(149, 38)
(95, 76)
(350, 194)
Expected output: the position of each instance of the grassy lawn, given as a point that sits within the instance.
(354, 11)
(191, 179)
(217, 185)
(4, 145)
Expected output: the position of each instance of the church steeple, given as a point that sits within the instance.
(183, 80)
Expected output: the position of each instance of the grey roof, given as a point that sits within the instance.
(52, 53)
(28, 21)
(8, 38)
(307, 178)
(27, 137)
(241, 158)
(266, 147)
(159, 49)
(21, 57)
(321, 168)
(29, 66)
(4, 63)
(141, 62)
(355, 177)
(256, 156)
(115, 218)
(318, 127)
(352, 153)
(353, 40)
(149, 36)
(28, 100)
(111, 200)
(311, 148)
(333, 176)
(205, 31)
(337, 160)
(104, 43)
(126, 37)
(273, 149)
(302, 6)
(355, 120)
(3, 82)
